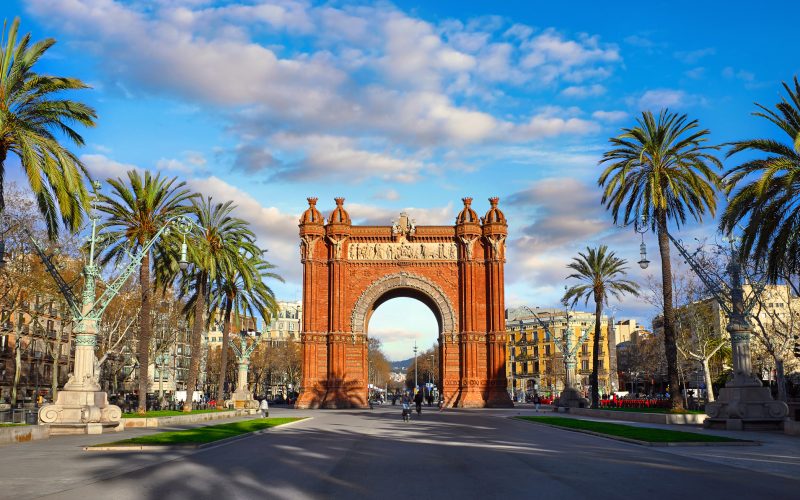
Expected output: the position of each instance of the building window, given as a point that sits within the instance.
(585, 365)
(547, 350)
(291, 326)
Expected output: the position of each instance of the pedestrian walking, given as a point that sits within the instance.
(536, 402)
(264, 407)
(406, 408)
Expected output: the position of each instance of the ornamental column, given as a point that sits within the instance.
(312, 334)
(495, 231)
(468, 232)
(337, 231)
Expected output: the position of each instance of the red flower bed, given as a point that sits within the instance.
(635, 403)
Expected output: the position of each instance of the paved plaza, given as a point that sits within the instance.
(373, 454)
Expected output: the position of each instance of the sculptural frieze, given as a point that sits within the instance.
(402, 251)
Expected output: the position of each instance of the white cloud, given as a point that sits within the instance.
(101, 167)
(656, 99)
(745, 76)
(326, 156)
(581, 92)
(693, 56)
(543, 125)
(388, 195)
(609, 116)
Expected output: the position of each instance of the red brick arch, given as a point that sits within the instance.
(457, 271)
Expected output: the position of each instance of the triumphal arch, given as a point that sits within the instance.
(457, 271)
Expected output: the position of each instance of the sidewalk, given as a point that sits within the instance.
(779, 454)
(22, 463)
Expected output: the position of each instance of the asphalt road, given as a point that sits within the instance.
(373, 454)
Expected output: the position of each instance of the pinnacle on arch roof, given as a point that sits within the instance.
(311, 215)
(339, 214)
(494, 215)
(467, 214)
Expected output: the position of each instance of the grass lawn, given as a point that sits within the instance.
(167, 413)
(11, 425)
(206, 434)
(655, 410)
(647, 434)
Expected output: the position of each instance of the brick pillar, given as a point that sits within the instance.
(312, 390)
(468, 232)
(343, 390)
(495, 230)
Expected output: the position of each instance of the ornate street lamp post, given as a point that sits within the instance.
(82, 404)
(743, 402)
(242, 397)
(570, 397)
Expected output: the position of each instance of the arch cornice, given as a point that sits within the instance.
(401, 280)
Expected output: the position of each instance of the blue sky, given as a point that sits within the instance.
(410, 106)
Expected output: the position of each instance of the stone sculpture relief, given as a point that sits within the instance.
(402, 251)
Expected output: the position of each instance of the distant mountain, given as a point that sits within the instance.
(402, 366)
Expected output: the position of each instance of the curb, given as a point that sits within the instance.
(648, 443)
(179, 447)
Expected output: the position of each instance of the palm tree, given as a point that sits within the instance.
(33, 112)
(663, 170)
(213, 251)
(601, 272)
(242, 291)
(135, 210)
(768, 195)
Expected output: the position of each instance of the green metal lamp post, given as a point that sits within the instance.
(82, 405)
(242, 397)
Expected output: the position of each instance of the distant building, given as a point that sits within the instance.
(626, 329)
(536, 364)
(287, 325)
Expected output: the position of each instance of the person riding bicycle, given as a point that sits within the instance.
(418, 398)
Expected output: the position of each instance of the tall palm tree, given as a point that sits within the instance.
(602, 274)
(134, 212)
(33, 114)
(663, 169)
(242, 291)
(768, 194)
(213, 251)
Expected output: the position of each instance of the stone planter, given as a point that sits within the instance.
(24, 433)
(180, 419)
(649, 418)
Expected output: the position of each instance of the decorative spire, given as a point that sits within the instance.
(339, 214)
(467, 214)
(311, 215)
(494, 215)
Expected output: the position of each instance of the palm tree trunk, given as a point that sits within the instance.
(3, 156)
(223, 355)
(670, 345)
(197, 335)
(598, 312)
(143, 349)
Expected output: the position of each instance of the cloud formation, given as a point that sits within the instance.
(389, 84)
